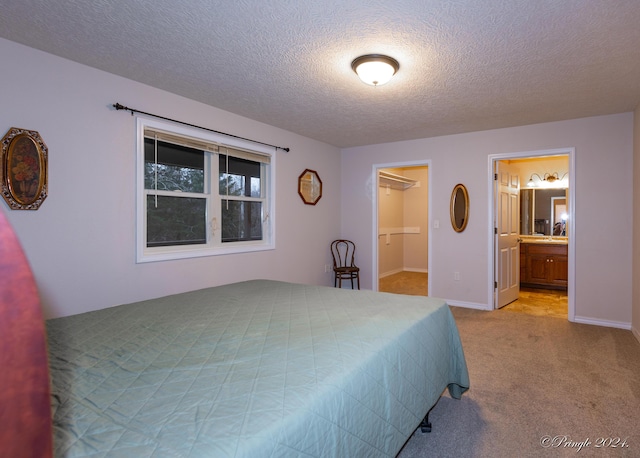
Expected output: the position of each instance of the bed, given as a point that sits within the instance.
(252, 369)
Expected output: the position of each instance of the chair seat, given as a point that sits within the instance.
(347, 269)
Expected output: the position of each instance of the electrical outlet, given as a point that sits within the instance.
(456, 276)
(436, 224)
(327, 268)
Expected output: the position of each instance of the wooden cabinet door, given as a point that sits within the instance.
(559, 270)
(538, 270)
(524, 268)
(544, 265)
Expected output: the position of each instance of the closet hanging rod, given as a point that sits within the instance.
(118, 106)
(398, 178)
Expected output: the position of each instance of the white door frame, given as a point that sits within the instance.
(571, 287)
(374, 230)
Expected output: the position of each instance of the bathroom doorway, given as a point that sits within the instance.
(538, 257)
(402, 229)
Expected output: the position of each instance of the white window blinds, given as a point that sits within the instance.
(204, 145)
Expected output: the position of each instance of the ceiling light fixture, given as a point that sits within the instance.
(375, 69)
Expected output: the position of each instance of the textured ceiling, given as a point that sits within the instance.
(465, 65)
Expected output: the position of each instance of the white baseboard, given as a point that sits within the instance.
(578, 319)
(390, 272)
(402, 269)
(606, 323)
(469, 305)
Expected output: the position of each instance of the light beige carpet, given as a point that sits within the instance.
(540, 386)
(411, 283)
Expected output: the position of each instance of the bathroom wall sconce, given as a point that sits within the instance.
(375, 69)
(548, 178)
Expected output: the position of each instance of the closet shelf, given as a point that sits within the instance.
(395, 181)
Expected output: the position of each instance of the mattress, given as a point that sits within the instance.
(253, 369)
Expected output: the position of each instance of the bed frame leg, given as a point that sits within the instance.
(425, 425)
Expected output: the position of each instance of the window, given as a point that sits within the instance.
(200, 196)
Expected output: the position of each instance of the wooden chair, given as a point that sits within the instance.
(344, 267)
(25, 405)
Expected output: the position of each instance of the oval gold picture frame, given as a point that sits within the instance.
(459, 208)
(24, 169)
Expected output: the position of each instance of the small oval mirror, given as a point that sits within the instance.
(459, 208)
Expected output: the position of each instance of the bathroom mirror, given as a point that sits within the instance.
(543, 212)
(459, 208)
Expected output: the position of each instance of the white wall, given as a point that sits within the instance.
(390, 215)
(81, 244)
(604, 159)
(416, 214)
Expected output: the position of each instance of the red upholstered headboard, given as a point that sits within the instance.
(25, 407)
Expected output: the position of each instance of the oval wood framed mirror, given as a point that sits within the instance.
(459, 208)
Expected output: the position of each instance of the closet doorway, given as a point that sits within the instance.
(402, 226)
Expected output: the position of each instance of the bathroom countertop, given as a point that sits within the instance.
(546, 240)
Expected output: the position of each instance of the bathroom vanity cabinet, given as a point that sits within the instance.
(544, 265)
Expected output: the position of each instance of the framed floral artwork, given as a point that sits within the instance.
(24, 169)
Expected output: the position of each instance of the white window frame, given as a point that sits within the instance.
(213, 246)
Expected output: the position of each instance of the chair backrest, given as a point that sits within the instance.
(344, 253)
(25, 406)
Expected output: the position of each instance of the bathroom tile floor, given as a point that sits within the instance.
(540, 302)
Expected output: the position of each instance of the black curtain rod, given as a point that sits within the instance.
(118, 106)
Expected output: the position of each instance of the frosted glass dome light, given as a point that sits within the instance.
(375, 69)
